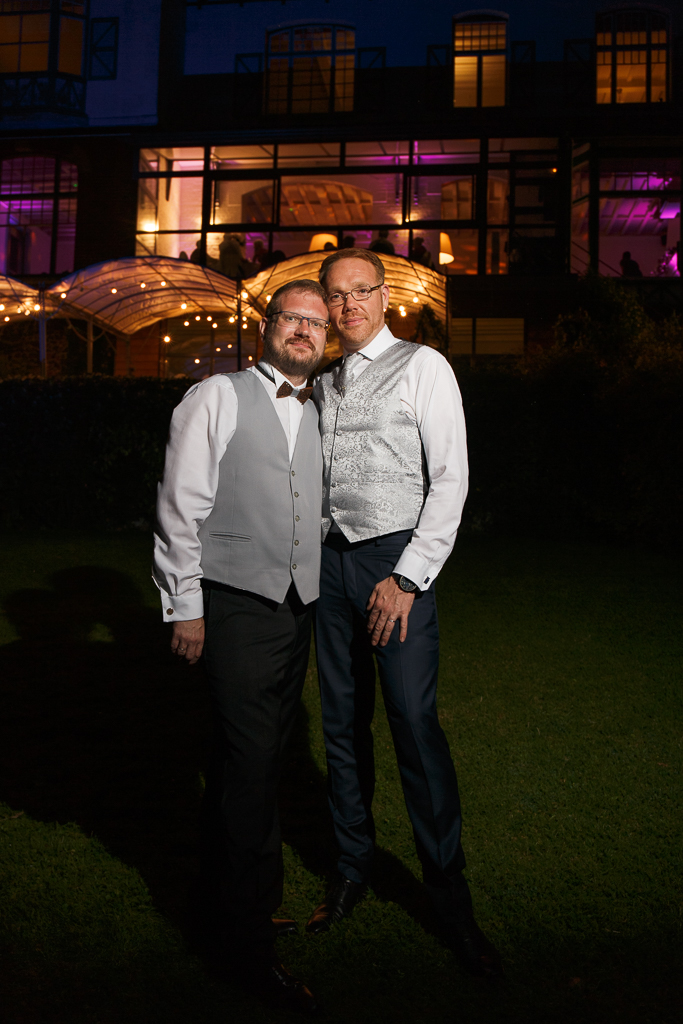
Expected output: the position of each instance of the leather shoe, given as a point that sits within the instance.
(472, 948)
(339, 902)
(285, 926)
(272, 982)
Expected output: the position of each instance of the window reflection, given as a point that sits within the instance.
(436, 198)
(631, 58)
(351, 199)
(242, 202)
(37, 215)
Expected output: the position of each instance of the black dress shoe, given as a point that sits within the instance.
(339, 902)
(474, 951)
(273, 983)
(285, 926)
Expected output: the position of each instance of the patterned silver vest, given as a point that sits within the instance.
(373, 479)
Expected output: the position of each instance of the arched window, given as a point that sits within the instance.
(632, 56)
(479, 61)
(37, 215)
(310, 69)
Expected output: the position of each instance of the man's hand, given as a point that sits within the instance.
(388, 604)
(188, 639)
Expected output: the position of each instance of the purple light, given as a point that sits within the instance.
(669, 211)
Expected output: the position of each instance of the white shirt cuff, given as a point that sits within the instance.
(415, 568)
(180, 609)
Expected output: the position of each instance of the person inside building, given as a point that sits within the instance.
(382, 244)
(419, 252)
(237, 562)
(629, 266)
(395, 456)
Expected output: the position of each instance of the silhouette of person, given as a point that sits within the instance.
(629, 267)
(382, 244)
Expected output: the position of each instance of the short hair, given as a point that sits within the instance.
(351, 254)
(303, 285)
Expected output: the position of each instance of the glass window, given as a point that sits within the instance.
(639, 236)
(70, 46)
(459, 251)
(500, 146)
(349, 199)
(465, 81)
(169, 204)
(493, 81)
(658, 76)
(172, 159)
(242, 202)
(311, 69)
(631, 50)
(480, 35)
(103, 49)
(631, 76)
(497, 197)
(638, 174)
(24, 42)
(580, 256)
(33, 209)
(179, 246)
(445, 151)
(308, 154)
(580, 181)
(227, 158)
(604, 77)
(496, 251)
(359, 154)
(499, 336)
(437, 198)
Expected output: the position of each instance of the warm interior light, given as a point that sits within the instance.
(319, 242)
(196, 360)
(113, 291)
(445, 248)
(183, 305)
(250, 358)
(553, 170)
(167, 338)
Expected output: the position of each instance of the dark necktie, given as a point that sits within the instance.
(301, 394)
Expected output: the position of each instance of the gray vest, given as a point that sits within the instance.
(264, 528)
(373, 481)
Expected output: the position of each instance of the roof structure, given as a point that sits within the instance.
(123, 296)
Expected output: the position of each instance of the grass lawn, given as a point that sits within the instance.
(560, 693)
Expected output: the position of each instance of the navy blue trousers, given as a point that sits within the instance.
(408, 676)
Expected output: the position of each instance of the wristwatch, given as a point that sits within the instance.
(404, 583)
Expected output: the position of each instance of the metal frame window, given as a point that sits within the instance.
(488, 206)
(632, 57)
(42, 45)
(103, 49)
(479, 61)
(310, 69)
(38, 207)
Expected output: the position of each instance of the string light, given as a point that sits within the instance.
(2, 306)
(6, 319)
(36, 307)
(143, 285)
(197, 318)
(229, 346)
(196, 360)
(209, 318)
(245, 295)
(214, 325)
(250, 358)
(415, 299)
(183, 305)
(167, 338)
(268, 298)
(231, 319)
(163, 284)
(217, 350)
(187, 323)
(113, 291)
(64, 294)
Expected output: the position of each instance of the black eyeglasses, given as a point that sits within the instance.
(359, 294)
(294, 319)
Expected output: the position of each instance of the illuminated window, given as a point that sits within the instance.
(632, 57)
(37, 215)
(25, 40)
(310, 70)
(37, 71)
(479, 62)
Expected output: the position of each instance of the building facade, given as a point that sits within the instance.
(509, 175)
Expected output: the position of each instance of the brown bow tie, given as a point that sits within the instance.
(286, 389)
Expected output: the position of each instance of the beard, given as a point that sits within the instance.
(289, 361)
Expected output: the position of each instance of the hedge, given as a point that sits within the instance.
(567, 447)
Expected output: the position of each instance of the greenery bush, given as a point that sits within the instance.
(584, 437)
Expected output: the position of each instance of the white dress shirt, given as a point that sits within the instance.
(430, 396)
(201, 429)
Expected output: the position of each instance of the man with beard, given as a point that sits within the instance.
(237, 558)
(395, 481)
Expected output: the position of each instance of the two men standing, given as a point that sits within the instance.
(237, 556)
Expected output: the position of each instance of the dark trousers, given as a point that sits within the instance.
(256, 655)
(407, 675)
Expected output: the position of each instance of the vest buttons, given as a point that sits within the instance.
(293, 473)
(336, 457)
(296, 494)
(294, 565)
(296, 542)
(339, 433)
(296, 518)
(333, 485)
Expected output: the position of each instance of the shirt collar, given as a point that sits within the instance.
(278, 377)
(378, 345)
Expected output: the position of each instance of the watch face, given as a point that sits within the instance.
(406, 585)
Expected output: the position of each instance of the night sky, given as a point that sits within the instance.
(406, 27)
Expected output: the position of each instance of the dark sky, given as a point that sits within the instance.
(216, 33)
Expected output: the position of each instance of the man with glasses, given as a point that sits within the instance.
(395, 481)
(237, 560)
